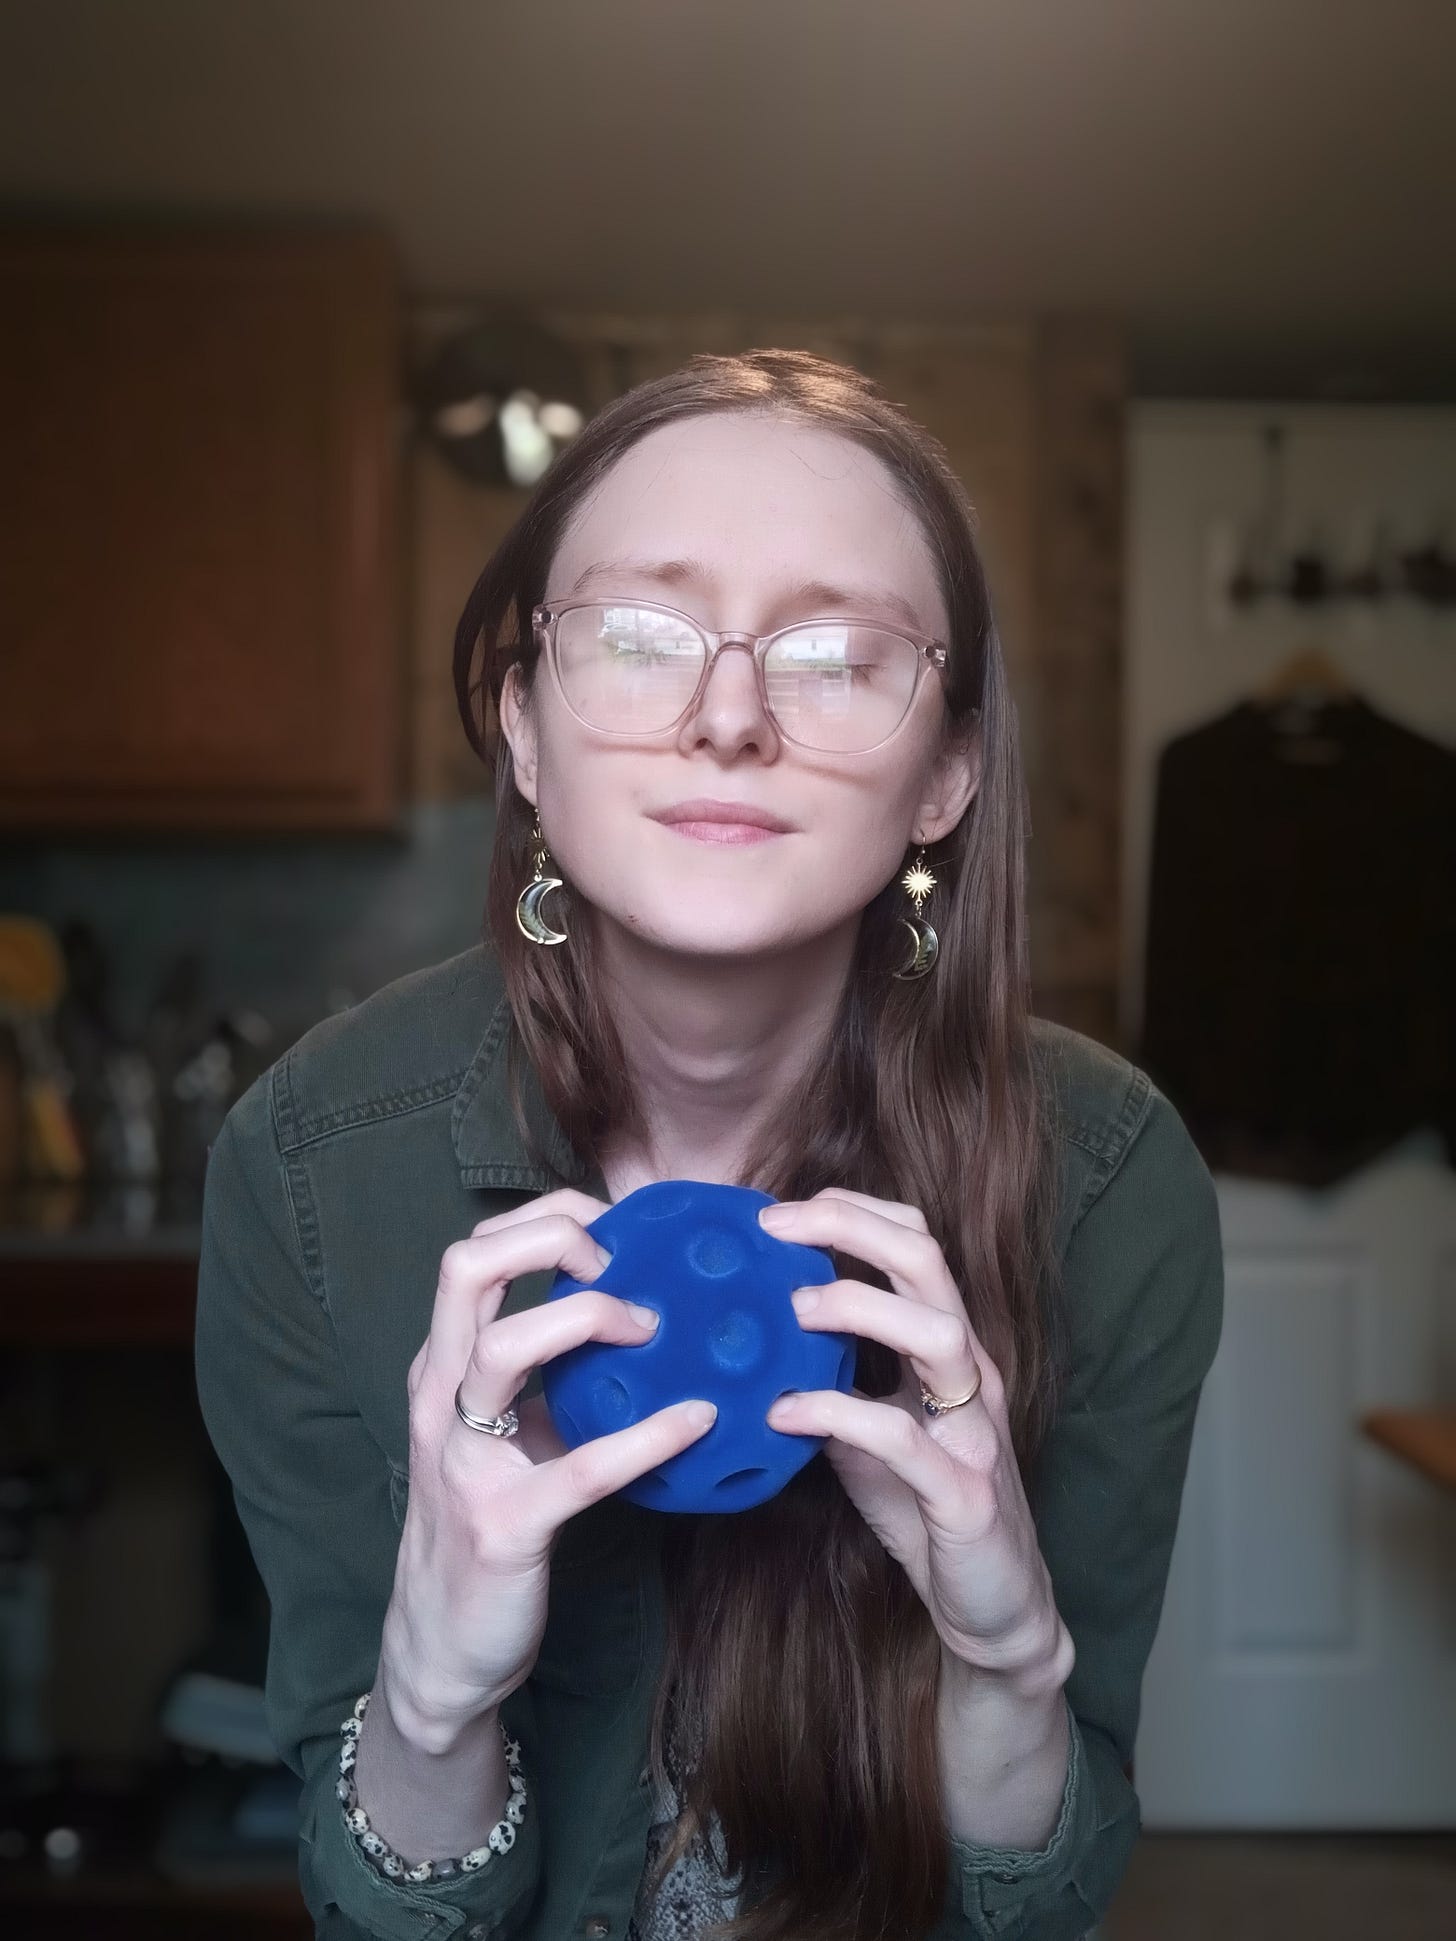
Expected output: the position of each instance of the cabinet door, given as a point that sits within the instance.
(197, 533)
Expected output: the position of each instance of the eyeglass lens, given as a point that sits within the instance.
(833, 684)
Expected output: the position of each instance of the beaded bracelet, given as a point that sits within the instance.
(382, 1856)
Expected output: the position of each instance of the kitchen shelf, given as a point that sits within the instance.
(92, 1266)
(1425, 1438)
(88, 1299)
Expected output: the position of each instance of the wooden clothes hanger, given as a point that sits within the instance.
(1293, 702)
(1308, 674)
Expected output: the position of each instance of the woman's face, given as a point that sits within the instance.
(765, 505)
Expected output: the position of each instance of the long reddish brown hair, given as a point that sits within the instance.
(818, 1755)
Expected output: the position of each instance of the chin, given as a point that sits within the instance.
(695, 931)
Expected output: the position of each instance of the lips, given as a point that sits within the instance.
(703, 809)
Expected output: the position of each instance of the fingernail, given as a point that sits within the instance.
(649, 1317)
(773, 1216)
(804, 1299)
(700, 1414)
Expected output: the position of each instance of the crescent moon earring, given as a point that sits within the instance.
(919, 882)
(529, 920)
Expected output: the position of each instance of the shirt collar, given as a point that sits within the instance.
(487, 1141)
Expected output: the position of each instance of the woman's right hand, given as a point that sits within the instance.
(468, 1607)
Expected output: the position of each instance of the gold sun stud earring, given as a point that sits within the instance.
(529, 920)
(919, 882)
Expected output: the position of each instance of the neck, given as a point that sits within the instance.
(714, 1045)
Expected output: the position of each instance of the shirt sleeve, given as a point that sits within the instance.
(312, 1490)
(1143, 1297)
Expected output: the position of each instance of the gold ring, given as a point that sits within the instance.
(937, 1405)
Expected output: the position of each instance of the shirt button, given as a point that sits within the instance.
(598, 1925)
(476, 1931)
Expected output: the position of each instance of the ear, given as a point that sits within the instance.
(953, 781)
(519, 728)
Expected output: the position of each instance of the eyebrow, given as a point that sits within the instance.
(689, 572)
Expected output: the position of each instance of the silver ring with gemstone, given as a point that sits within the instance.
(487, 1425)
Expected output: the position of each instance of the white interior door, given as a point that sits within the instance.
(1304, 1675)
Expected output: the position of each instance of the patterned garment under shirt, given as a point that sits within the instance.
(696, 1893)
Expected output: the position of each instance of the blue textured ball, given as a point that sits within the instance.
(696, 1253)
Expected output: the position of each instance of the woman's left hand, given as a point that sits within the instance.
(942, 1493)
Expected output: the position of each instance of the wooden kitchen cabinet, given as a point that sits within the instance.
(198, 618)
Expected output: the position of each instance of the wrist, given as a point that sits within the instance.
(427, 1728)
(436, 1808)
(1038, 1673)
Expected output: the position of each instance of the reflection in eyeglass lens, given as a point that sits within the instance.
(831, 684)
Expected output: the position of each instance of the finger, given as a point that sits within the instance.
(505, 1351)
(910, 1256)
(908, 1216)
(538, 1434)
(567, 1199)
(585, 1475)
(475, 1273)
(882, 1430)
(940, 1347)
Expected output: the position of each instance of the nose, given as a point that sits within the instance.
(730, 712)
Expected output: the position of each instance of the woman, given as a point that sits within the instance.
(741, 651)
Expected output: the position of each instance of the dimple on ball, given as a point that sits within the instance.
(696, 1254)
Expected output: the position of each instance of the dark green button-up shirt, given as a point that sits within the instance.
(334, 1187)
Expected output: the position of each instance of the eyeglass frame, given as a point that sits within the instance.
(931, 652)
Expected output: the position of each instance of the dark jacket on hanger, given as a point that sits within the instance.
(1301, 951)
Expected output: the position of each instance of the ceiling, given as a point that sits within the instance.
(1265, 190)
